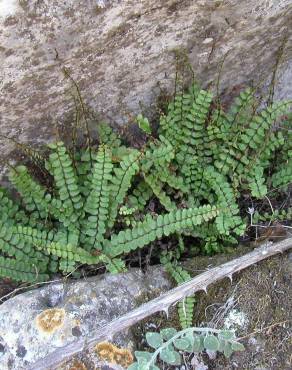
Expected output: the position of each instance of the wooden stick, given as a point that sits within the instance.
(162, 303)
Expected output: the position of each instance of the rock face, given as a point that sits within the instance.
(122, 53)
(35, 323)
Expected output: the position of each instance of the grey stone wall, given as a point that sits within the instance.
(122, 52)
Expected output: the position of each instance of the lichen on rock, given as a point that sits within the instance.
(30, 328)
(110, 353)
(50, 320)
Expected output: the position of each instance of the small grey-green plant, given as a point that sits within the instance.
(169, 345)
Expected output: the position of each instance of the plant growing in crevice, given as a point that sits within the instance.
(203, 165)
(180, 275)
(54, 231)
(206, 155)
(221, 158)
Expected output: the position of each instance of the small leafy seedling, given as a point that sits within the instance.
(144, 124)
(170, 343)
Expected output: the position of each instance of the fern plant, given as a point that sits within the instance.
(78, 221)
(180, 275)
(217, 157)
(206, 155)
(170, 344)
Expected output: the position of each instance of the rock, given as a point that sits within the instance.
(35, 323)
(122, 53)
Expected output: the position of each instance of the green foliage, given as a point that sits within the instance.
(185, 307)
(170, 344)
(282, 178)
(144, 124)
(206, 155)
(108, 200)
(151, 229)
(281, 215)
(221, 158)
(79, 221)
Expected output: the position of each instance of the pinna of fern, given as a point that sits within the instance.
(56, 231)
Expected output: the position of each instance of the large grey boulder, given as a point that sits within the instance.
(122, 52)
(37, 322)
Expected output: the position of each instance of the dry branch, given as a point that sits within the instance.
(162, 303)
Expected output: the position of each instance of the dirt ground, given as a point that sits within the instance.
(6, 287)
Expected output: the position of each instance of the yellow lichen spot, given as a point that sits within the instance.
(77, 322)
(50, 320)
(112, 354)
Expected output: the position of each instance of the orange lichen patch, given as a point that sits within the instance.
(77, 365)
(50, 320)
(112, 354)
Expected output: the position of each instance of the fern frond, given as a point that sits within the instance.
(14, 244)
(62, 170)
(68, 252)
(97, 203)
(277, 215)
(256, 182)
(141, 194)
(108, 136)
(32, 194)
(265, 154)
(242, 108)
(255, 135)
(212, 240)
(250, 140)
(147, 231)
(114, 265)
(172, 180)
(283, 177)
(156, 186)
(228, 218)
(180, 275)
(10, 211)
(84, 171)
(121, 182)
(21, 271)
(157, 155)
